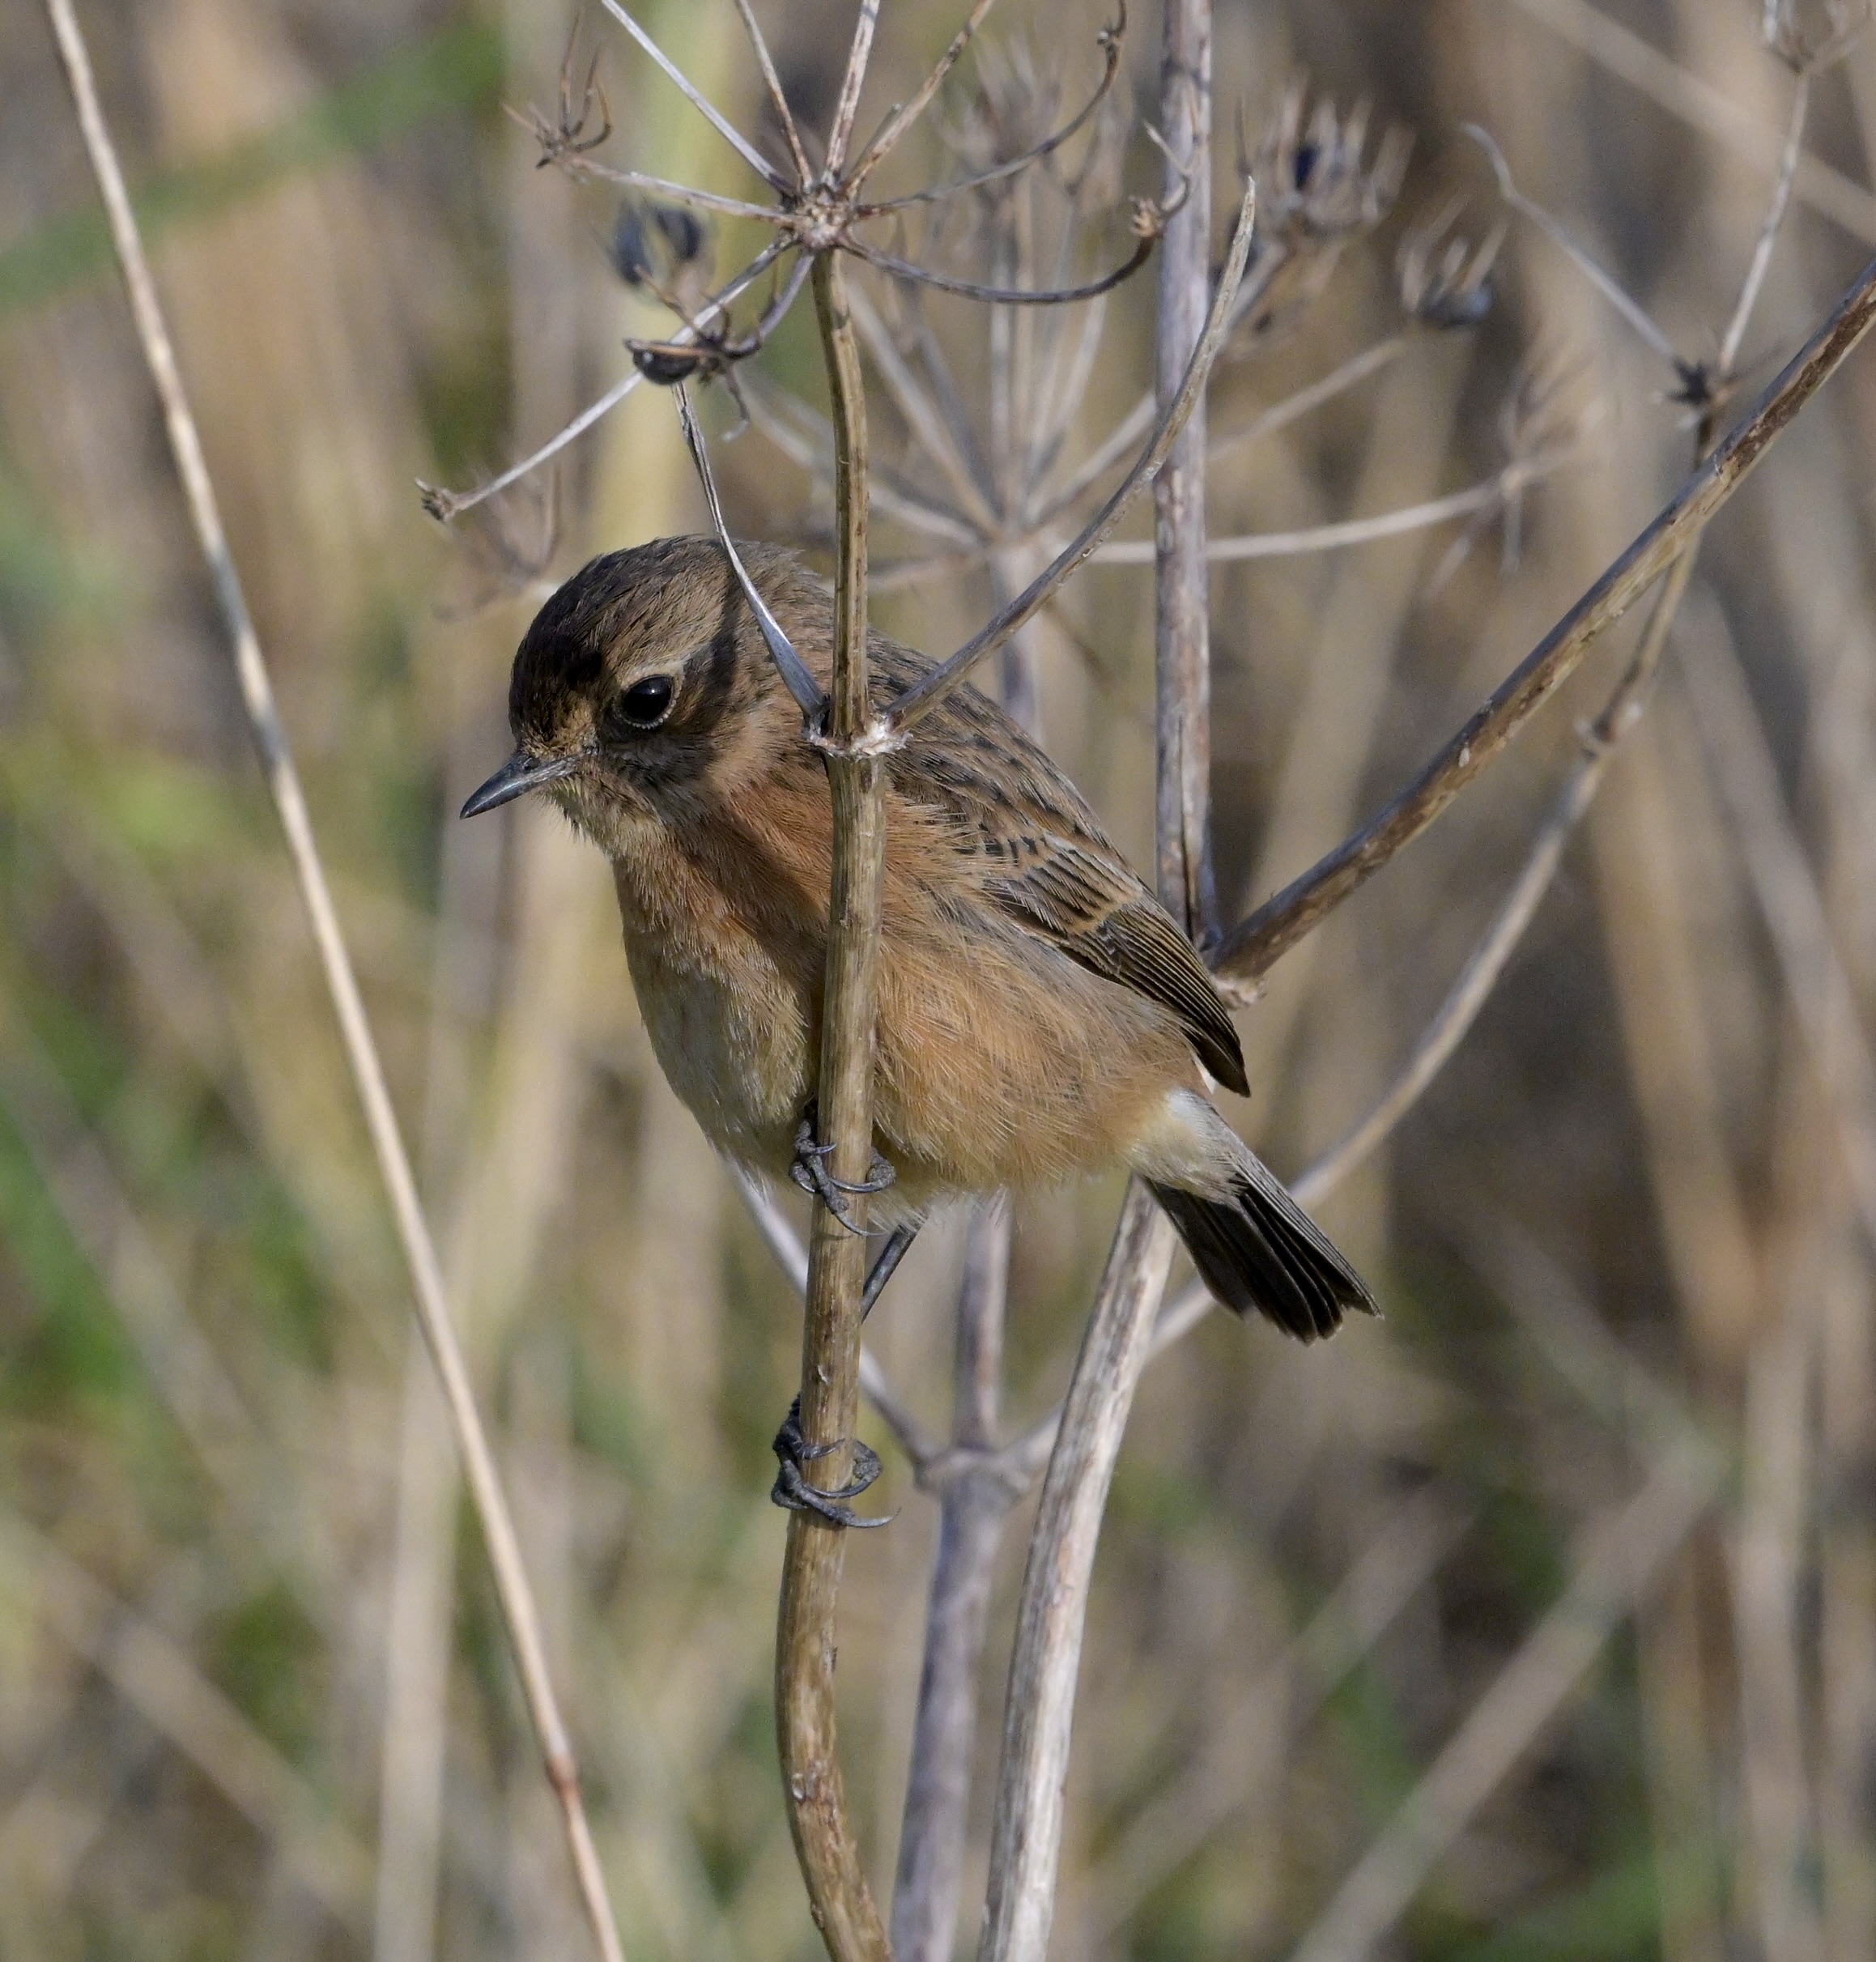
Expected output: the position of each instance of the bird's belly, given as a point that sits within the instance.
(734, 1046)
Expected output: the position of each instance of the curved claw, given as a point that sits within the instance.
(792, 1492)
(810, 1171)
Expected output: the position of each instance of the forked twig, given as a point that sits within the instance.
(519, 1612)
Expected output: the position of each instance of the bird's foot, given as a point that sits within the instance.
(792, 1492)
(809, 1171)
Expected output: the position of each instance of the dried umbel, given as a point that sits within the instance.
(1315, 180)
(1445, 277)
(1809, 35)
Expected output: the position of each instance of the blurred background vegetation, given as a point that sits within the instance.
(253, 1698)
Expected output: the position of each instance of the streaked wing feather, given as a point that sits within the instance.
(1051, 866)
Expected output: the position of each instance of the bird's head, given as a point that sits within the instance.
(642, 689)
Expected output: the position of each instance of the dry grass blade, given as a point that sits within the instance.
(847, 108)
(156, 1677)
(518, 1609)
(1277, 924)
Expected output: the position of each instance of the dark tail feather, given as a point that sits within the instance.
(1264, 1251)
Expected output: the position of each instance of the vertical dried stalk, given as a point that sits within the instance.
(512, 1588)
(1026, 1838)
(1181, 638)
(973, 1505)
(1039, 1715)
(838, 1895)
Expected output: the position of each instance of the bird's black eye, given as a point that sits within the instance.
(645, 704)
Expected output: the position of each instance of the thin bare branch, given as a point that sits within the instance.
(805, 1639)
(792, 1257)
(919, 699)
(1182, 587)
(717, 121)
(901, 118)
(795, 675)
(447, 505)
(1110, 46)
(1490, 496)
(1788, 162)
(1611, 289)
(974, 1502)
(1351, 373)
(975, 495)
(519, 1612)
(1277, 926)
(778, 99)
(1456, 1014)
(802, 435)
(1039, 1709)
(1007, 295)
(678, 194)
(847, 108)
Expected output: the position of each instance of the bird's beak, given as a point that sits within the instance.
(521, 772)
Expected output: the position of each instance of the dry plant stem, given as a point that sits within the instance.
(1252, 947)
(973, 1503)
(1620, 1555)
(512, 1591)
(1182, 640)
(920, 699)
(840, 134)
(838, 1895)
(778, 101)
(1038, 1710)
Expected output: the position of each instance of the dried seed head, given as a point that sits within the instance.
(1314, 182)
(1809, 35)
(1445, 280)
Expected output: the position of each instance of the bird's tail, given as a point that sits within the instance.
(1259, 1249)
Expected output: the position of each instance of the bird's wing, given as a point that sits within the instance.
(1046, 862)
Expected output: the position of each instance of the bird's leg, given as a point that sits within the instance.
(791, 1490)
(810, 1171)
(885, 1261)
(793, 1493)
